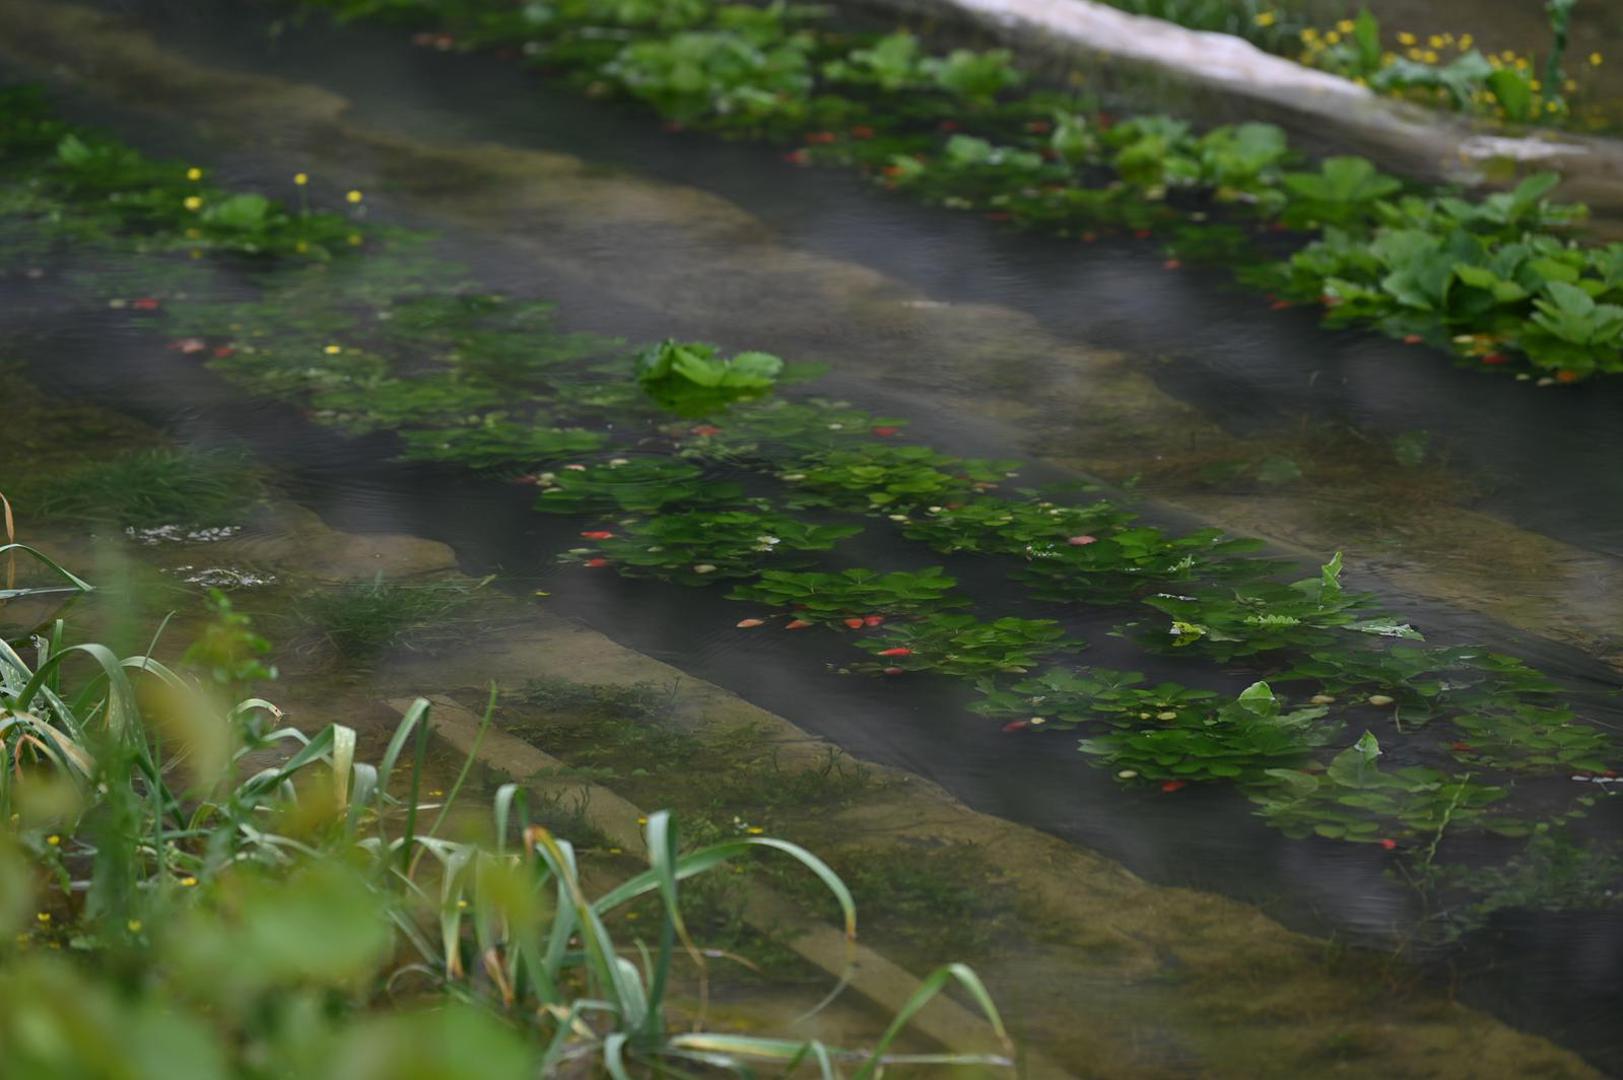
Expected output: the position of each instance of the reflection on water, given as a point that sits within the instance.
(993, 344)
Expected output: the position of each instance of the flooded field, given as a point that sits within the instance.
(1235, 692)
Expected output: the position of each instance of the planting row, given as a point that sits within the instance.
(686, 464)
(1494, 280)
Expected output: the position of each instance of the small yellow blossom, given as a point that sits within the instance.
(1332, 37)
(188, 881)
(1466, 41)
(354, 196)
(301, 179)
(193, 202)
(333, 350)
(1346, 26)
(1436, 41)
(134, 926)
(194, 174)
(1406, 38)
(44, 916)
(1431, 56)
(1265, 18)
(1594, 59)
(53, 840)
(355, 239)
(755, 830)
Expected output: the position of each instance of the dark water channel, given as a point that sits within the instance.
(1549, 456)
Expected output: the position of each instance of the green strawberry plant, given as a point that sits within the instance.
(882, 477)
(1118, 567)
(1423, 682)
(1266, 617)
(987, 525)
(1062, 699)
(833, 598)
(964, 646)
(1240, 740)
(694, 379)
(702, 546)
(498, 443)
(635, 484)
(1354, 799)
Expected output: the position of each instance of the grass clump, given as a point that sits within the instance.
(165, 892)
(148, 488)
(362, 619)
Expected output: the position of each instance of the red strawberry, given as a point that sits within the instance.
(1172, 264)
(1496, 358)
(1174, 785)
(1389, 844)
(750, 624)
(1412, 339)
(853, 622)
(597, 534)
(872, 620)
(796, 624)
(597, 563)
(1017, 725)
(1082, 541)
(898, 651)
(885, 432)
(894, 671)
(145, 303)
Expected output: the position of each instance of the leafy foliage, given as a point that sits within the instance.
(964, 646)
(833, 598)
(692, 379)
(1241, 741)
(703, 546)
(1355, 799)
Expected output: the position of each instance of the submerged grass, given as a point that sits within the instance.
(363, 619)
(150, 488)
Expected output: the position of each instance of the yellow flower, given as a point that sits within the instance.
(1265, 18)
(1332, 37)
(1431, 56)
(53, 840)
(1436, 41)
(333, 350)
(188, 881)
(354, 196)
(1310, 35)
(355, 239)
(194, 174)
(755, 830)
(301, 247)
(301, 179)
(1466, 41)
(1594, 59)
(44, 916)
(134, 926)
(1346, 26)
(1406, 38)
(193, 202)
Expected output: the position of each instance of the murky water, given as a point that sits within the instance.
(1094, 360)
